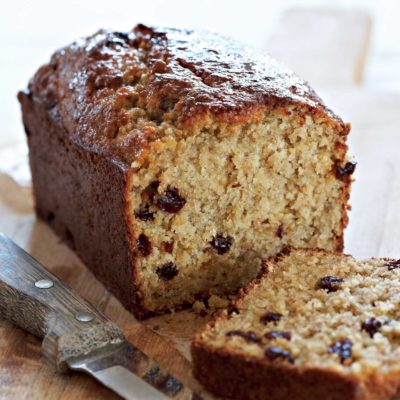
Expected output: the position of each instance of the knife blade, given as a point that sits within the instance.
(76, 335)
(120, 367)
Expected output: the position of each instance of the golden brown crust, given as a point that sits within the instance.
(229, 375)
(171, 73)
(232, 375)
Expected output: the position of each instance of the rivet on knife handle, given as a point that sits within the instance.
(32, 298)
(76, 335)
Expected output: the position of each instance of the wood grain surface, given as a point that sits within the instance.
(374, 230)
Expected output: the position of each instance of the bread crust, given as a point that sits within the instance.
(232, 375)
(77, 104)
(82, 197)
(176, 79)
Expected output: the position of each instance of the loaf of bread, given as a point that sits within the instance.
(314, 325)
(171, 161)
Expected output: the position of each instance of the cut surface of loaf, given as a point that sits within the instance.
(172, 160)
(314, 325)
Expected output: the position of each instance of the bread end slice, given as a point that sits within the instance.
(312, 325)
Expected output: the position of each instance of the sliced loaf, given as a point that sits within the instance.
(314, 325)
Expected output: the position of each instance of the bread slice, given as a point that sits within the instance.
(173, 160)
(314, 325)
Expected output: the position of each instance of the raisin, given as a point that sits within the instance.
(169, 246)
(342, 348)
(144, 214)
(371, 326)
(270, 317)
(347, 170)
(278, 334)
(222, 244)
(330, 283)
(249, 336)
(274, 352)
(280, 231)
(143, 245)
(392, 265)
(167, 271)
(171, 201)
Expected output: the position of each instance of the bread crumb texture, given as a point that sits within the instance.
(213, 204)
(317, 310)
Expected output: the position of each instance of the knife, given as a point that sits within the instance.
(77, 336)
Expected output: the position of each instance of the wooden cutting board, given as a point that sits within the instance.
(374, 230)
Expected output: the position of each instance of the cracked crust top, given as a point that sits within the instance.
(116, 92)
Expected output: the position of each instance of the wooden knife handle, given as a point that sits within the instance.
(35, 300)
